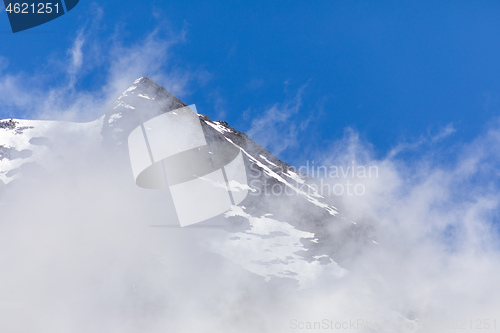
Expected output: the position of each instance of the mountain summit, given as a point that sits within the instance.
(143, 100)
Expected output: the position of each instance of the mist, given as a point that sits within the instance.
(79, 250)
(433, 218)
(78, 253)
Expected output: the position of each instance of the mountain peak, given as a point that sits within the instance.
(144, 80)
(143, 100)
(148, 87)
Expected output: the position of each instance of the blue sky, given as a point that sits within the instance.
(397, 72)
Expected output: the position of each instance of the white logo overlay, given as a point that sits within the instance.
(171, 152)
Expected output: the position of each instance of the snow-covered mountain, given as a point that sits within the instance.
(283, 233)
(284, 213)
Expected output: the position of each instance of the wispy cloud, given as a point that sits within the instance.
(53, 92)
(443, 133)
(277, 129)
(76, 58)
(219, 103)
(4, 63)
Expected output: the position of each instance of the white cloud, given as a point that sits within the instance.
(219, 103)
(76, 58)
(443, 133)
(436, 223)
(277, 129)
